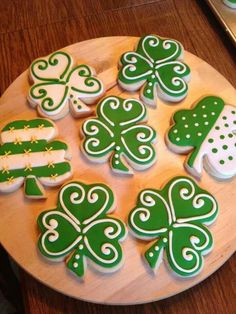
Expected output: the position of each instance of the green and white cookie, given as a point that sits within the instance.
(118, 132)
(230, 3)
(157, 68)
(28, 156)
(208, 132)
(175, 217)
(80, 229)
(58, 86)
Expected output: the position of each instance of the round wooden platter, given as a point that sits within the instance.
(133, 283)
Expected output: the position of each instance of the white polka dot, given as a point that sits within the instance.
(77, 256)
(117, 147)
(206, 123)
(156, 248)
(199, 134)
(165, 240)
(148, 91)
(188, 136)
(203, 107)
(186, 126)
(116, 162)
(183, 118)
(150, 84)
(205, 115)
(177, 139)
(75, 265)
(196, 124)
(150, 254)
(213, 113)
(81, 246)
(175, 131)
(215, 102)
(194, 115)
(116, 155)
(153, 75)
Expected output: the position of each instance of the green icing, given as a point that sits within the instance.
(35, 123)
(80, 228)
(208, 129)
(32, 187)
(27, 165)
(174, 217)
(52, 93)
(117, 132)
(156, 66)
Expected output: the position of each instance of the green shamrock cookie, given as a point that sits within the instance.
(157, 68)
(175, 218)
(117, 132)
(208, 132)
(27, 156)
(80, 228)
(59, 86)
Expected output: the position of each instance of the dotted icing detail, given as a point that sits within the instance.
(176, 221)
(214, 138)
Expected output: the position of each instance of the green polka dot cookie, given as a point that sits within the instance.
(175, 218)
(208, 132)
(79, 229)
(156, 67)
(119, 134)
(29, 157)
(59, 86)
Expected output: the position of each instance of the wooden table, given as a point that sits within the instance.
(32, 28)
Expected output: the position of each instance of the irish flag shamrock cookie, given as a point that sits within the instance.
(175, 218)
(58, 86)
(81, 229)
(27, 156)
(117, 133)
(208, 132)
(157, 68)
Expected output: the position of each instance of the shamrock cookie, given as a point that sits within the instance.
(27, 156)
(175, 218)
(157, 68)
(59, 86)
(117, 132)
(81, 229)
(230, 3)
(208, 132)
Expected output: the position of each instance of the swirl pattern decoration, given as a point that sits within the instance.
(80, 226)
(157, 68)
(117, 131)
(176, 216)
(58, 86)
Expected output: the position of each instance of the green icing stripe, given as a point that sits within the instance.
(41, 146)
(43, 171)
(20, 124)
(32, 187)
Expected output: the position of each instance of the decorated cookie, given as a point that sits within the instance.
(175, 218)
(230, 3)
(157, 68)
(117, 133)
(81, 229)
(27, 156)
(208, 132)
(59, 86)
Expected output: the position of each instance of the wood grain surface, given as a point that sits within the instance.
(30, 29)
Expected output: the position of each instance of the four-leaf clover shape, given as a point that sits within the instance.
(80, 226)
(58, 86)
(175, 216)
(117, 131)
(157, 68)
